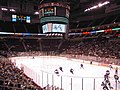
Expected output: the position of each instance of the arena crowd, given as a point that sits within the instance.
(12, 78)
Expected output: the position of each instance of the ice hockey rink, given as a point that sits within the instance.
(41, 70)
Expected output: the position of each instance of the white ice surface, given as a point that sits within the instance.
(42, 71)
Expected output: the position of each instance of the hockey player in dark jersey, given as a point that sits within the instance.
(106, 83)
(61, 69)
(106, 76)
(56, 72)
(81, 66)
(104, 86)
(71, 70)
(116, 75)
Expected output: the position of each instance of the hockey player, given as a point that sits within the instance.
(116, 75)
(90, 62)
(116, 70)
(81, 66)
(116, 78)
(107, 72)
(111, 67)
(56, 71)
(61, 69)
(71, 70)
(106, 83)
(104, 86)
(106, 76)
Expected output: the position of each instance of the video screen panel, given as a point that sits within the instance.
(48, 11)
(61, 11)
(21, 18)
(58, 28)
(54, 28)
(47, 28)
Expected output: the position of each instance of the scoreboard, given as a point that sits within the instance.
(53, 11)
(54, 18)
(53, 14)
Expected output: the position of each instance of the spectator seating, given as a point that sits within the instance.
(11, 78)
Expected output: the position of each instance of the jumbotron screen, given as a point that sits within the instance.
(54, 28)
(49, 11)
(20, 18)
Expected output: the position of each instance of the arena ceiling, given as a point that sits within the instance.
(77, 7)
